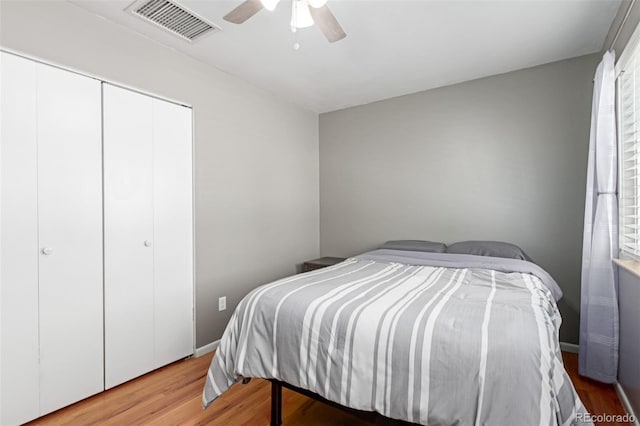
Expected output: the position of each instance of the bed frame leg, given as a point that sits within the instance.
(276, 404)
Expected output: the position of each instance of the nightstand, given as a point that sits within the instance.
(323, 262)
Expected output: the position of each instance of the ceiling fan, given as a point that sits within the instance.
(304, 13)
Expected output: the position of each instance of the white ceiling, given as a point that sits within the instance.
(392, 48)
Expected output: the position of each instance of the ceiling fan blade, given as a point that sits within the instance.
(243, 12)
(327, 23)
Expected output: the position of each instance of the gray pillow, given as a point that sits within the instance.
(415, 245)
(489, 248)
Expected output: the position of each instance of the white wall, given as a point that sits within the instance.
(256, 157)
(499, 158)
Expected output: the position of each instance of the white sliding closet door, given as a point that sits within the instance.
(148, 233)
(70, 227)
(51, 235)
(19, 378)
(128, 228)
(173, 229)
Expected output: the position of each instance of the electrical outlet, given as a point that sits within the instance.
(222, 303)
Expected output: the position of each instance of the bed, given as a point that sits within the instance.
(425, 337)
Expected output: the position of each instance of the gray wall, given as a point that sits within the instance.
(632, 20)
(500, 158)
(256, 158)
(629, 362)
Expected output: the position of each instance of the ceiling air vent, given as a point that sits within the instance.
(173, 17)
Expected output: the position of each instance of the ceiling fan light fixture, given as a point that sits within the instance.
(300, 16)
(270, 5)
(316, 4)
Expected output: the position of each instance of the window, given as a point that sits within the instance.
(629, 149)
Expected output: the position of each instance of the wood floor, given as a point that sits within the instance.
(171, 396)
(597, 397)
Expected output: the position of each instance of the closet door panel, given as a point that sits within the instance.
(173, 248)
(70, 234)
(128, 230)
(19, 381)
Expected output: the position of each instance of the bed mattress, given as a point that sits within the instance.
(429, 338)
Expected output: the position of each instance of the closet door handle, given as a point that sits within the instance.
(47, 251)
(147, 243)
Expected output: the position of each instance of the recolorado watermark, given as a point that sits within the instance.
(605, 418)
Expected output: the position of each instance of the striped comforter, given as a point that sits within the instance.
(434, 339)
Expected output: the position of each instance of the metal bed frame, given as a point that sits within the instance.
(276, 406)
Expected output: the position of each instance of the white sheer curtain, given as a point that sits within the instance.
(599, 304)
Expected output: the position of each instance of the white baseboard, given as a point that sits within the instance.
(203, 350)
(569, 347)
(626, 404)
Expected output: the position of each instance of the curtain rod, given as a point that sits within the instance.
(624, 21)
